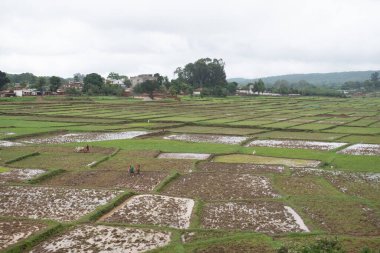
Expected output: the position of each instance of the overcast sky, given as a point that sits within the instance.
(255, 38)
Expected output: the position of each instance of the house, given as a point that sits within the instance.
(26, 92)
(115, 81)
(72, 85)
(135, 80)
(7, 93)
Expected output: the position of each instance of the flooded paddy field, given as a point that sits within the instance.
(317, 145)
(207, 138)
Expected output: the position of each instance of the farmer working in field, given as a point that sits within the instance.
(138, 169)
(131, 169)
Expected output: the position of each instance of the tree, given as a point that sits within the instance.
(26, 78)
(149, 86)
(127, 82)
(41, 83)
(114, 76)
(255, 87)
(78, 77)
(375, 77)
(261, 86)
(93, 84)
(231, 88)
(205, 73)
(72, 92)
(55, 82)
(4, 80)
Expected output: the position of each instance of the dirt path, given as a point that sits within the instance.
(39, 99)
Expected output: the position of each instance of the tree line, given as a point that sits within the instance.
(205, 75)
(372, 84)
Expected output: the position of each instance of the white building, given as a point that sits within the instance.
(115, 81)
(25, 92)
(135, 80)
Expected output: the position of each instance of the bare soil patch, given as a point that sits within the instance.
(333, 115)
(154, 210)
(62, 204)
(84, 137)
(363, 185)
(18, 175)
(341, 216)
(235, 247)
(254, 159)
(87, 238)
(306, 185)
(239, 167)
(143, 182)
(221, 139)
(13, 231)
(221, 186)
(266, 217)
(315, 145)
(362, 149)
(195, 156)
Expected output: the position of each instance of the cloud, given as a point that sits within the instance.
(255, 38)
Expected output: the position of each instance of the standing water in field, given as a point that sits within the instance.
(85, 137)
(221, 139)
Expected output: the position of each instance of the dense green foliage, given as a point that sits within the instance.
(205, 74)
(372, 84)
(317, 79)
(93, 84)
(149, 87)
(55, 82)
(257, 86)
(4, 80)
(303, 88)
(23, 78)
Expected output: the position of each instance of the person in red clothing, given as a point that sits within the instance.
(138, 169)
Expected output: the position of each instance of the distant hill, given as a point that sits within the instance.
(335, 78)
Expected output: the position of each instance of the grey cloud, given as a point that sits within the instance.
(255, 38)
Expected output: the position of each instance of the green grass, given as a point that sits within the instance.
(361, 139)
(354, 130)
(299, 135)
(281, 124)
(239, 158)
(312, 126)
(2, 169)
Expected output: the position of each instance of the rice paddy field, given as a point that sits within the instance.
(239, 174)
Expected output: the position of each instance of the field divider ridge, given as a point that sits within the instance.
(22, 157)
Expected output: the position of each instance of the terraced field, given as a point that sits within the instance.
(253, 174)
